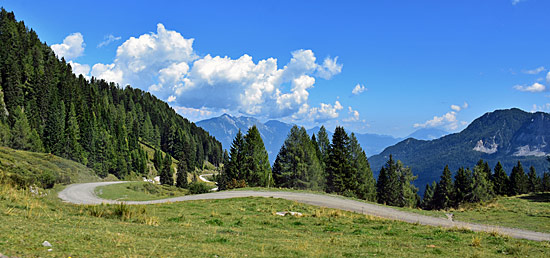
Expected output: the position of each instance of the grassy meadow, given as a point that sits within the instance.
(242, 227)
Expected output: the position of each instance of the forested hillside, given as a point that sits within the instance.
(44, 107)
(507, 136)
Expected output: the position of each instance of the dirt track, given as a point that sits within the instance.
(84, 194)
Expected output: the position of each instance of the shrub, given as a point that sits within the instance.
(198, 188)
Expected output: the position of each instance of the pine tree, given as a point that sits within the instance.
(297, 165)
(518, 180)
(5, 134)
(386, 186)
(533, 181)
(428, 200)
(546, 182)
(394, 186)
(324, 145)
(408, 196)
(482, 190)
(23, 137)
(234, 167)
(158, 160)
(181, 175)
(462, 186)
(366, 185)
(256, 165)
(443, 194)
(72, 149)
(500, 180)
(340, 173)
(166, 173)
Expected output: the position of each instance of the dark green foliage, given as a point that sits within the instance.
(546, 182)
(158, 160)
(297, 165)
(257, 170)
(428, 200)
(462, 186)
(166, 172)
(324, 145)
(22, 136)
(181, 174)
(500, 180)
(232, 169)
(533, 181)
(93, 122)
(340, 172)
(482, 188)
(394, 186)
(518, 180)
(443, 194)
(366, 184)
(198, 188)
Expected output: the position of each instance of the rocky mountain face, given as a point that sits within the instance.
(507, 136)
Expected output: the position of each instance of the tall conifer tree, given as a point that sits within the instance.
(500, 180)
(443, 194)
(256, 165)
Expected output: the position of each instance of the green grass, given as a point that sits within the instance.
(243, 227)
(32, 166)
(531, 212)
(138, 191)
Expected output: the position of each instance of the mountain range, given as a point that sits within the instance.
(274, 133)
(507, 136)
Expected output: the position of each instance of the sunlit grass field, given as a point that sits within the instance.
(242, 227)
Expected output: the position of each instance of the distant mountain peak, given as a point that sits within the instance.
(507, 135)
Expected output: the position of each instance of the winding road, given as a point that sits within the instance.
(84, 194)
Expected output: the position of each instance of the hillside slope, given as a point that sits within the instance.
(44, 107)
(25, 168)
(507, 136)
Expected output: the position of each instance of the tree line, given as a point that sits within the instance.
(482, 184)
(44, 107)
(341, 167)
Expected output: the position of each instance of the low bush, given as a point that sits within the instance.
(198, 188)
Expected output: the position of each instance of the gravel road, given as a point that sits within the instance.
(84, 194)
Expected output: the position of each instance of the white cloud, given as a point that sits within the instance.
(358, 89)
(548, 77)
(108, 40)
(194, 114)
(325, 112)
(71, 48)
(78, 69)
(515, 2)
(166, 64)
(329, 68)
(139, 60)
(535, 87)
(107, 72)
(448, 121)
(544, 107)
(353, 115)
(172, 98)
(535, 71)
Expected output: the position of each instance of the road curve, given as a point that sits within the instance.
(84, 194)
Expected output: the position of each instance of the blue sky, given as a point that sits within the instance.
(417, 63)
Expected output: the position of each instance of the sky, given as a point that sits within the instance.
(386, 67)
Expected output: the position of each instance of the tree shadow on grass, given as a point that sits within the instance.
(537, 197)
